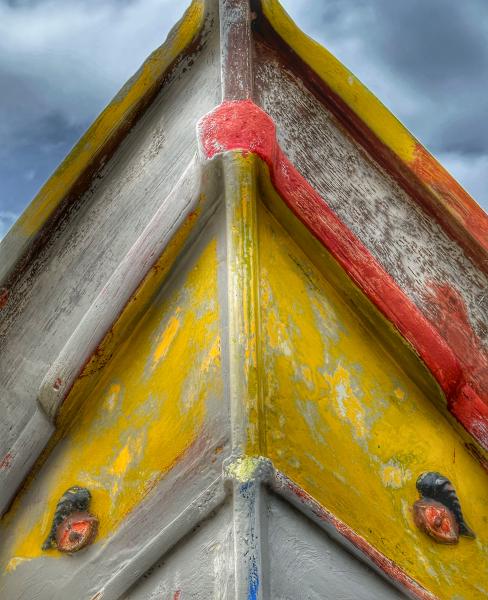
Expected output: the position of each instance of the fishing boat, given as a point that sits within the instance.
(244, 341)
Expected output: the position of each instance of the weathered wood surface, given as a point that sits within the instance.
(150, 413)
(210, 546)
(379, 130)
(300, 552)
(296, 552)
(232, 295)
(430, 267)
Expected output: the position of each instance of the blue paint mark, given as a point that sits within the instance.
(247, 491)
(253, 582)
(246, 487)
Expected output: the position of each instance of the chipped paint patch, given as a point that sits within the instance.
(166, 338)
(14, 562)
(253, 582)
(394, 475)
(4, 294)
(243, 469)
(6, 461)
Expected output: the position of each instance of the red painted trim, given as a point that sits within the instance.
(244, 126)
(445, 307)
(286, 487)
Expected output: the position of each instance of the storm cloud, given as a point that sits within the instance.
(62, 60)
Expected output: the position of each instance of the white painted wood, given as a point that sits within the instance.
(18, 461)
(199, 567)
(306, 564)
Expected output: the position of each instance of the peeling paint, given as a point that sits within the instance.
(395, 475)
(378, 426)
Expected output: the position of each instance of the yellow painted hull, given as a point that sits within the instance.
(250, 380)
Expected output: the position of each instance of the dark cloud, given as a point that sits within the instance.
(437, 44)
(440, 49)
(60, 63)
(34, 139)
(32, 156)
(62, 60)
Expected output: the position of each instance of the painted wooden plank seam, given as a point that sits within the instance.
(312, 509)
(198, 509)
(119, 288)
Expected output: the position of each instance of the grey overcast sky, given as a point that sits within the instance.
(62, 60)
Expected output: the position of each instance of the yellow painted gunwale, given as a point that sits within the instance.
(344, 83)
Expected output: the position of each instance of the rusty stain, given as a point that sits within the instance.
(4, 294)
(217, 451)
(6, 461)
(101, 356)
(57, 384)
